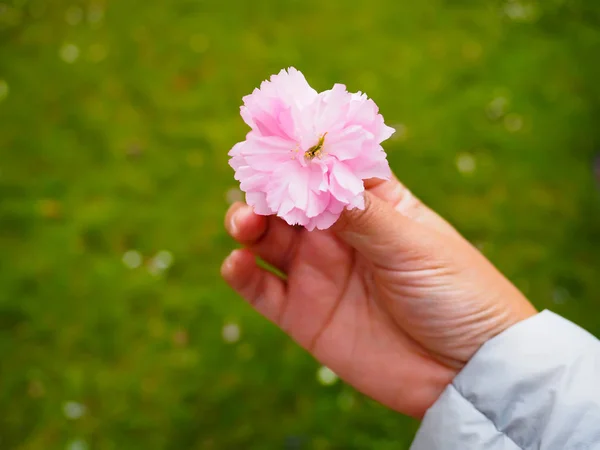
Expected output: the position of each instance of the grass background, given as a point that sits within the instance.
(115, 122)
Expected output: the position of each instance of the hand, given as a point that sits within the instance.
(392, 298)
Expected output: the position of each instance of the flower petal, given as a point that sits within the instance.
(250, 179)
(288, 182)
(344, 185)
(266, 153)
(347, 143)
(322, 221)
(298, 188)
(268, 110)
(318, 180)
(357, 202)
(365, 113)
(317, 203)
(370, 164)
(258, 200)
(292, 87)
(296, 217)
(331, 109)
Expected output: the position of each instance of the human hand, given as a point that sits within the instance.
(392, 298)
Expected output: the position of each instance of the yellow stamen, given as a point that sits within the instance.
(315, 150)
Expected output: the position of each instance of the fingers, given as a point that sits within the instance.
(397, 195)
(259, 287)
(270, 238)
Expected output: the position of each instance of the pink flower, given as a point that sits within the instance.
(308, 153)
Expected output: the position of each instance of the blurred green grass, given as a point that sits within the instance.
(115, 122)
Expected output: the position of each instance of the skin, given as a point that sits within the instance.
(392, 298)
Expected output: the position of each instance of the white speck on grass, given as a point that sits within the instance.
(231, 333)
(132, 259)
(496, 108)
(74, 410)
(560, 295)
(513, 123)
(77, 444)
(481, 245)
(401, 133)
(234, 195)
(326, 376)
(163, 260)
(465, 163)
(160, 263)
(69, 53)
(519, 12)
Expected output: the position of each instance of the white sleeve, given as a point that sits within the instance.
(534, 386)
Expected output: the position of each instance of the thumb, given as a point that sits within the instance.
(379, 232)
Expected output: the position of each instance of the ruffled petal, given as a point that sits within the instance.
(357, 202)
(331, 109)
(288, 183)
(347, 143)
(258, 200)
(365, 113)
(317, 203)
(251, 180)
(266, 153)
(370, 164)
(269, 109)
(343, 184)
(296, 217)
(322, 221)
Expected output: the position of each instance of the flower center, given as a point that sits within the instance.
(316, 150)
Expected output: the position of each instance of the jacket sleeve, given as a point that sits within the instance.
(534, 386)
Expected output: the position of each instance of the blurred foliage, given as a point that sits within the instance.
(116, 331)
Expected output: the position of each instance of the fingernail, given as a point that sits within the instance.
(240, 216)
(233, 228)
(228, 263)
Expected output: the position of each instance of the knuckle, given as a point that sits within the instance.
(407, 203)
